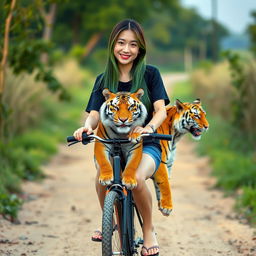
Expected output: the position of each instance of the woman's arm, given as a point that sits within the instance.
(90, 124)
(156, 121)
(159, 116)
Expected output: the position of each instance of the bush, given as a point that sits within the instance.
(246, 203)
(228, 143)
(233, 169)
(9, 205)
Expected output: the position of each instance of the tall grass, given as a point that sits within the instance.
(214, 86)
(23, 100)
(233, 103)
(230, 142)
(36, 122)
(249, 98)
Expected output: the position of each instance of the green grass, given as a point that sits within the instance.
(183, 92)
(246, 203)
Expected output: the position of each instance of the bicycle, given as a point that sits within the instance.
(119, 232)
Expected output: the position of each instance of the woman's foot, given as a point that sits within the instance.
(150, 246)
(97, 236)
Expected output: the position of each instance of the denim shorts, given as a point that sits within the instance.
(155, 153)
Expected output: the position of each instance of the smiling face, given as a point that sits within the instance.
(126, 48)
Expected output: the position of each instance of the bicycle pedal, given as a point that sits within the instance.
(138, 242)
(141, 241)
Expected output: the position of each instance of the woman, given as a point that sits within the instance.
(126, 71)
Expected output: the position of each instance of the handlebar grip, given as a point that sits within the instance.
(85, 139)
(161, 136)
(71, 139)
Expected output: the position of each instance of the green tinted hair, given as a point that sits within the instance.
(110, 77)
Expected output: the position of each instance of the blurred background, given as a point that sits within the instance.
(52, 50)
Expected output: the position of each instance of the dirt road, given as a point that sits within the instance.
(61, 213)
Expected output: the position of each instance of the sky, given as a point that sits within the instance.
(234, 14)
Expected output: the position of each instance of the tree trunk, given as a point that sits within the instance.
(48, 25)
(5, 49)
(91, 44)
(3, 65)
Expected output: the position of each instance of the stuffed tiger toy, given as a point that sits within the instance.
(181, 119)
(119, 114)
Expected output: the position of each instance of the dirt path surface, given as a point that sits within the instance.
(61, 213)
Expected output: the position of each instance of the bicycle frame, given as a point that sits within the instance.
(127, 201)
(128, 206)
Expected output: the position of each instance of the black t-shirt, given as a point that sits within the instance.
(153, 81)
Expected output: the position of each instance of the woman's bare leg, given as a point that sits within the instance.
(101, 190)
(143, 200)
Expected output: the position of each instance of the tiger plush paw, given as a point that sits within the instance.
(129, 182)
(164, 207)
(135, 137)
(106, 180)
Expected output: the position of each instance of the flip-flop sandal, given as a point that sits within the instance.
(147, 249)
(97, 237)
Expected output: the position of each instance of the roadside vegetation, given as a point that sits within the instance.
(231, 140)
(37, 123)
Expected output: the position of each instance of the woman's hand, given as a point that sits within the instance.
(146, 129)
(78, 133)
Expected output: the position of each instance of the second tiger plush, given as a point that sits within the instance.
(181, 118)
(119, 114)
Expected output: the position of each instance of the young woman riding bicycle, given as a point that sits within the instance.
(126, 71)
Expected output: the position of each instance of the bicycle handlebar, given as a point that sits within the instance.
(88, 138)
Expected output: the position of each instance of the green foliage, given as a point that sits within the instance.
(206, 65)
(77, 21)
(181, 28)
(246, 203)
(9, 205)
(243, 79)
(236, 67)
(76, 51)
(235, 169)
(16, 160)
(183, 92)
(231, 153)
(22, 157)
(26, 47)
(252, 32)
(10, 181)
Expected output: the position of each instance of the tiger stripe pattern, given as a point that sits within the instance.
(181, 118)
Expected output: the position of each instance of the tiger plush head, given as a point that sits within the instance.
(122, 111)
(191, 118)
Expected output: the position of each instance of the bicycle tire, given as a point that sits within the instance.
(111, 225)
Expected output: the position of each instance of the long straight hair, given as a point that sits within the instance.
(110, 77)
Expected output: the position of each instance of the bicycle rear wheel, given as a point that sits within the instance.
(111, 225)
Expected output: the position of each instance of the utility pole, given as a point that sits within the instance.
(215, 51)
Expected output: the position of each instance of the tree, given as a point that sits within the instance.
(252, 32)
(5, 48)
(87, 22)
(22, 24)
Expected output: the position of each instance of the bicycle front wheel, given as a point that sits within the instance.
(111, 225)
